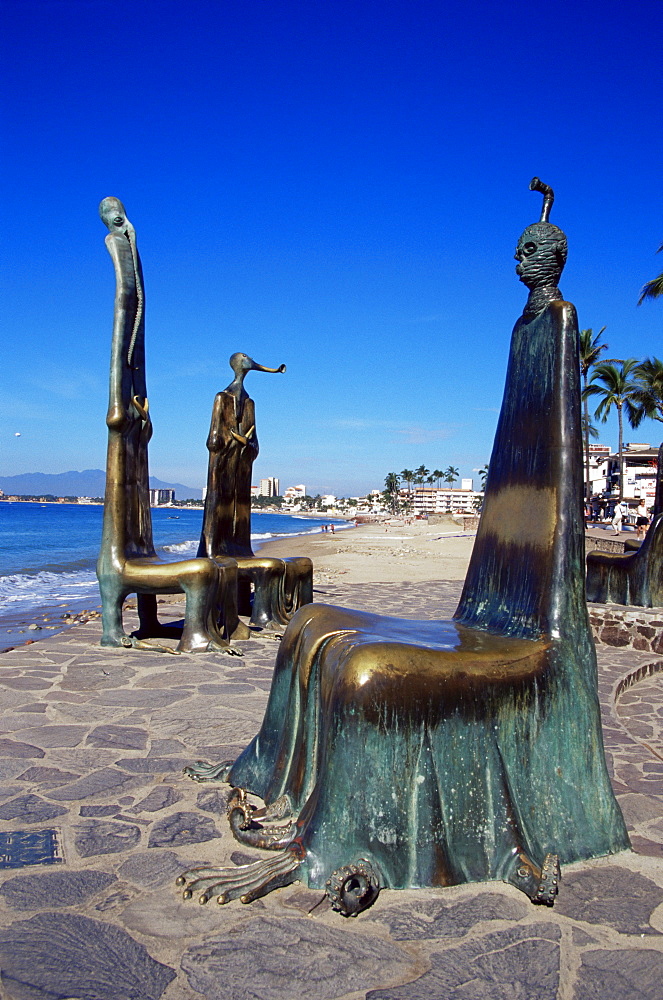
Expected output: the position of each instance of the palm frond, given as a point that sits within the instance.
(651, 289)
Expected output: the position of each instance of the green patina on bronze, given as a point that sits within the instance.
(127, 561)
(409, 754)
(280, 586)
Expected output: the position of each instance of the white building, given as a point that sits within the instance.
(269, 487)
(295, 492)
(160, 497)
(432, 500)
(640, 464)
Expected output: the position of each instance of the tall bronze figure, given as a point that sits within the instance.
(128, 562)
(433, 753)
(280, 586)
(632, 577)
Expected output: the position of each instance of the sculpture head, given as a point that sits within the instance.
(542, 249)
(113, 215)
(242, 363)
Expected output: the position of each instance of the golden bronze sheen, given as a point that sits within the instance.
(128, 562)
(280, 586)
(397, 753)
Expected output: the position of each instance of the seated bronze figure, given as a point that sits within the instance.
(127, 561)
(635, 576)
(403, 754)
(280, 586)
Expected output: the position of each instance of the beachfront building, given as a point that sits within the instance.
(432, 500)
(269, 487)
(295, 492)
(160, 498)
(640, 464)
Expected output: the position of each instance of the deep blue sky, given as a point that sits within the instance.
(334, 185)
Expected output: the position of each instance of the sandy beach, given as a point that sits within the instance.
(382, 553)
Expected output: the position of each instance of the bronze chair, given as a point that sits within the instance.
(280, 586)
(404, 754)
(127, 561)
(634, 577)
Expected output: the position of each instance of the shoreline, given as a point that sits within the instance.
(367, 553)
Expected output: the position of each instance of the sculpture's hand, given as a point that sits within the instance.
(243, 438)
(142, 408)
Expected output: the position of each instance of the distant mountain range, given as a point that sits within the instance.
(88, 483)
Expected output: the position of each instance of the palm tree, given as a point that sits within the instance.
(652, 289)
(438, 473)
(590, 350)
(615, 386)
(407, 475)
(649, 396)
(420, 474)
(430, 479)
(451, 475)
(392, 481)
(483, 473)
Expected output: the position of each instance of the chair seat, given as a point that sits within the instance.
(375, 660)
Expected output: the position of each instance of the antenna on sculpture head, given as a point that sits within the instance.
(548, 197)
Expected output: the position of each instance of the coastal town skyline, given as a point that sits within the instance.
(335, 187)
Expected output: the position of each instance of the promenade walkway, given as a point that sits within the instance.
(92, 745)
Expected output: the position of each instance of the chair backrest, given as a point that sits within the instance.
(127, 530)
(226, 529)
(526, 574)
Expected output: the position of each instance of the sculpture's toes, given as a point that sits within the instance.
(154, 647)
(540, 884)
(242, 820)
(202, 771)
(244, 882)
(214, 646)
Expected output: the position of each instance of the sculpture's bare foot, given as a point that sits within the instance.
(244, 882)
(242, 820)
(540, 884)
(209, 646)
(202, 771)
(130, 641)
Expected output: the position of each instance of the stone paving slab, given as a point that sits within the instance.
(92, 743)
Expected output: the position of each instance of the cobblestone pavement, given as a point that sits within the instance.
(92, 745)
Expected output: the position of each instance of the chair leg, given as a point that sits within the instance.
(113, 594)
(202, 587)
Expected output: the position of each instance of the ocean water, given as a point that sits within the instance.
(48, 554)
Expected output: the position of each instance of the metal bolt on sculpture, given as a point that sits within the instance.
(127, 561)
(402, 754)
(280, 586)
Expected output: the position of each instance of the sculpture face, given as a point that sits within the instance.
(541, 255)
(113, 215)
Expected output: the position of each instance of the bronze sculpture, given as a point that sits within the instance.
(280, 586)
(405, 754)
(127, 561)
(634, 577)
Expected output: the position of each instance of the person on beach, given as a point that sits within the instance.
(621, 511)
(642, 519)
